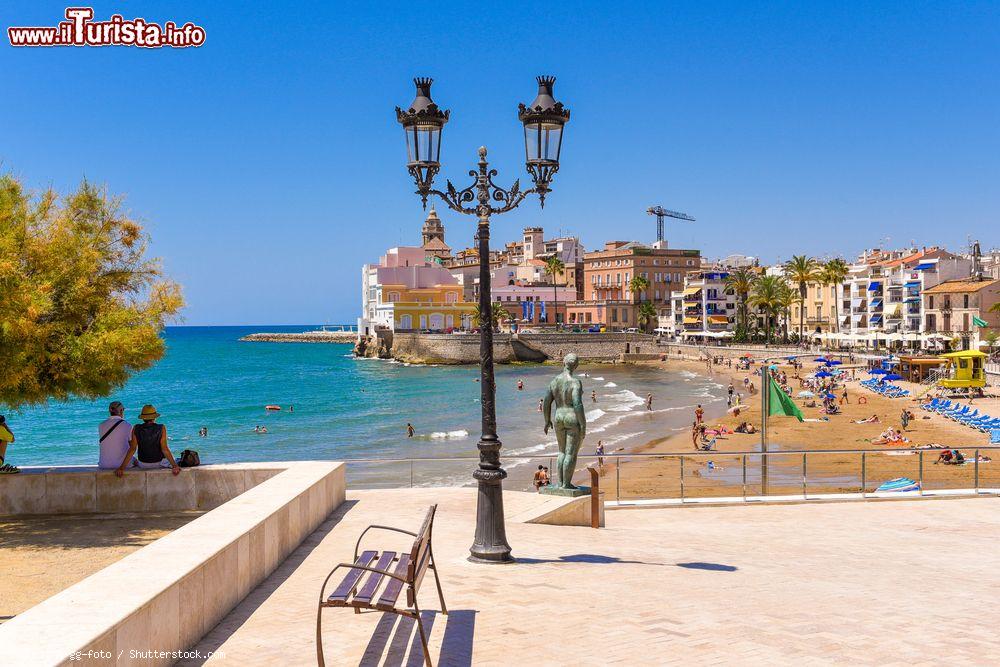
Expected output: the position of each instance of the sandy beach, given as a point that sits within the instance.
(650, 477)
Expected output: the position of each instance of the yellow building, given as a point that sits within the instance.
(406, 292)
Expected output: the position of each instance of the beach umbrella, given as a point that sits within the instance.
(773, 367)
(806, 394)
(892, 376)
(820, 359)
(834, 363)
(824, 374)
(830, 396)
(878, 371)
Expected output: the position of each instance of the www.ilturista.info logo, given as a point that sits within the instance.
(80, 30)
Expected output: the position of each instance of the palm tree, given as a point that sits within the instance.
(647, 315)
(638, 284)
(499, 315)
(801, 270)
(765, 295)
(788, 297)
(554, 266)
(833, 273)
(740, 282)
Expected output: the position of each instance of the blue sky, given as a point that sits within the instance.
(268, 164)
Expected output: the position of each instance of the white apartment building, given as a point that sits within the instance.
(881, 301)
(703, 310)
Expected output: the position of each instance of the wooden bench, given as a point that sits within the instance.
(388, 573)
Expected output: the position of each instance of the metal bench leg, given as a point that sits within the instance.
(319, 637)
(437, 580)
(423, 637)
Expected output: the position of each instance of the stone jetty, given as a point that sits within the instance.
(304, 337)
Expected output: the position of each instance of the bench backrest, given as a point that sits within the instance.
(420, 555)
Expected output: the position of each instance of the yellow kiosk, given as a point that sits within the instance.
(967, 369)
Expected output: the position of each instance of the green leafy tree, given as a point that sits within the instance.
(740, 282)
(833, 274)
(991, 339)
(801, 270)
(646, 315)
(81, 306)
(554, 266)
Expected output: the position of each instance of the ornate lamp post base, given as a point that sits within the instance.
(490, 544)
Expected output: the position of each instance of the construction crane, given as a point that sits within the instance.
(662, 213)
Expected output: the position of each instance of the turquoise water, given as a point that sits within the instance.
(348, 408)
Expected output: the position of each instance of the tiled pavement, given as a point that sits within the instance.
(904, 583)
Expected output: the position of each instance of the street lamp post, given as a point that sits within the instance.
(543, 120)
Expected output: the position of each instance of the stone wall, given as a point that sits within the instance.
(509, 348)
(167, 595)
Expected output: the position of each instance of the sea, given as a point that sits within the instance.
(337, 406)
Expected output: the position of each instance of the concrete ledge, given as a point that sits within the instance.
(85, 489)
(166, 596)
(559, 511)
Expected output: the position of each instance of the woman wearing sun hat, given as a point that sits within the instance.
(150, 439)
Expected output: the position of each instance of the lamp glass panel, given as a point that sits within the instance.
(542, 141)
(423, 143)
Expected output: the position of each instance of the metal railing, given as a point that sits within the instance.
(792, 472)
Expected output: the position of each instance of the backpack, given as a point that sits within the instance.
(189, 459)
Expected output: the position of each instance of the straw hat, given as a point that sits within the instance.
(148, 413)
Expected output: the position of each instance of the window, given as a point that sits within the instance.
(406, 322)
(614, 314)
(930, 301)
(625, 315)
(451, 297)
(965, 301)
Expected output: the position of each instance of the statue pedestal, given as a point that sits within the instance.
(552, 490)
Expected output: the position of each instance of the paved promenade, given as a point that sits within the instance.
(900, 583)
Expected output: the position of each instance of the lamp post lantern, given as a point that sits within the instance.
(423, 122)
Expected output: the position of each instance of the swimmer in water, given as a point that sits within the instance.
(409, 430)
(520, 385)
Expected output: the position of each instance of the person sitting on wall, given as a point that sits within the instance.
(114, 434)
(150, 440)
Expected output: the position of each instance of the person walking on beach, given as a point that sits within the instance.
(149, 440)
(694, 434)
(699, 414)
(409, 430)
(540, 402)
(843, 396)
(6, 437)
(904, 417)
(114, 434)
(649, 401)
(593, 395)
(600, 454)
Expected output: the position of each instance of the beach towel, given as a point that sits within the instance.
(899, 485)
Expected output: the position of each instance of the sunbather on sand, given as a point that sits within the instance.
(870, 420)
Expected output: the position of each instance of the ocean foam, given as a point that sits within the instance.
(449, 435)
(611, 384)
(594, 415)
(598, 379)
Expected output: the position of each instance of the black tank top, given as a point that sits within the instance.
(148, 436)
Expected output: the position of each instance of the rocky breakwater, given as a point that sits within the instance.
(304, 337)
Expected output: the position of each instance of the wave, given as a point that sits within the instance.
(531, 449)
(627, 399)
(449, 435)
(594, 415)
(598, 379)
(611, 384)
